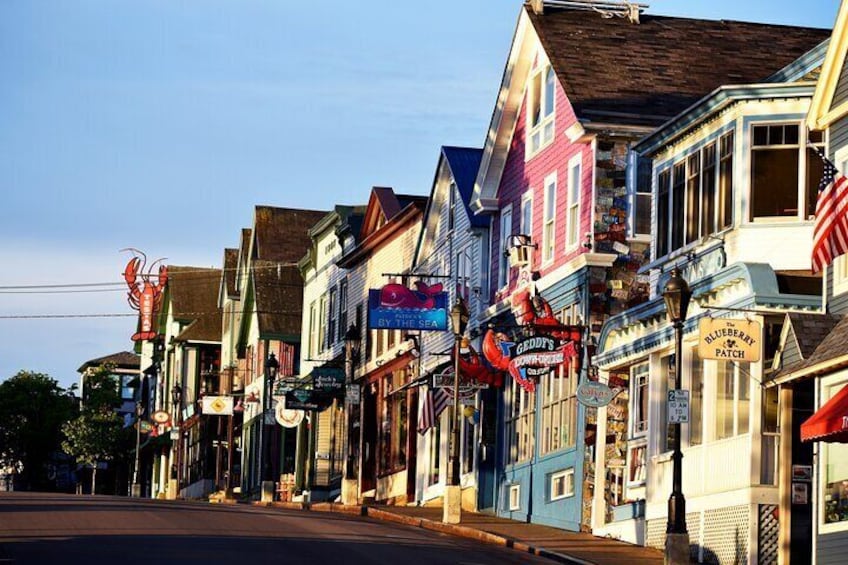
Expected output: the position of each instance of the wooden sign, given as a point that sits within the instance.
(724, 339)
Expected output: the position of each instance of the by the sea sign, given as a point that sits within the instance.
(726, 339)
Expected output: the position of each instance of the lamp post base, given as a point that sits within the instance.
(452, 505)
(267, 492)
(135, 490)
(677, 549)
(349, 492)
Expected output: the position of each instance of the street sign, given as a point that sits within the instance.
(678, 406)
(175, 434)
(352, 394)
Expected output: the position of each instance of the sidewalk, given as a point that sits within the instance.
(560, 545)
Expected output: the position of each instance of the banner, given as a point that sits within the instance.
(397, 307)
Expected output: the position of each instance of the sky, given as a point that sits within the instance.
(160, 125)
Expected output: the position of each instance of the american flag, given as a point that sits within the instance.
(830, 232)
(434, 404)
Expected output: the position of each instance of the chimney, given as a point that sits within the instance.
(538, 7)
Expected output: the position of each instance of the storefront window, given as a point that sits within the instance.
(521, 423)
(835, 481)
(394, 431)
(733, 399)
(696, 395)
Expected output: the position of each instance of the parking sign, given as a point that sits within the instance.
(678, 406)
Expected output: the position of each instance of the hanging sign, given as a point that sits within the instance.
(160, 417)
(397, 307)
(724, 339)
(286, 417)
(218, 405)
(144, 295)
(595, 394)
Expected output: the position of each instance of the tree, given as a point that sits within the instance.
(33, 408)
(97, 435)
(94, 437)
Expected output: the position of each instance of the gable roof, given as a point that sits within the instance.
(822, 113)
(808, 340)
(278, 290)
(193, 291)
(206, 328)
(464, 162)
(230, 266)
(282, 234)
(121, 360)
(615, 71)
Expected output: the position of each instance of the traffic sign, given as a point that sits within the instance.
(678, 406)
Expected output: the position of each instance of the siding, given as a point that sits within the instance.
(831, 549)
(841, 93)
(838, 140)
(521, 174)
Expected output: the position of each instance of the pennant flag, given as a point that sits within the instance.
(435, 403)
(830, 231)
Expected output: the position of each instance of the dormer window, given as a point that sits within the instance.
(540, 109)
(785, 172)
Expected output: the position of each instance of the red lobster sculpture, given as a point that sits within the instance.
(144, 295)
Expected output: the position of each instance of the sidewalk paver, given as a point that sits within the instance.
(559, 545)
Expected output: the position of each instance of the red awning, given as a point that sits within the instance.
(830, 423)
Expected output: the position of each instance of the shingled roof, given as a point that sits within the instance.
(282, 234)
(615, 71)
(193, 291)
(206, 328)
(230, 266)
(121, 360)
(279, 298)
(464, 162)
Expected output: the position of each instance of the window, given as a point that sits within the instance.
(642, 199)
(503, 260)
(668, 368)
(463, 272)
(520, 423)
(467, 444)
(333, 317)
(785, 172)
(394, 419)
(526, 227)
(313, 329)
(342, 308)
(663, 209)
(696, 398)
(639, 381)
(562, 484)
(514, 497)
(695, 196)
(435, 451)
(127, 390)
(573, 217)
(833, 469)
(559, 402)
(637, 467)
(322, 328)
(733, 399)
(550, 214)
(540, 109)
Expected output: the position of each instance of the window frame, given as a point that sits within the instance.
(558, 392)
(640, 379)
(574, 202)
(503, 259)
(514, 497)
(568, 486)
(545, 128)
(520, 424)
(549, 238)
(526, 221)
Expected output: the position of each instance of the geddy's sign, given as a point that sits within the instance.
(730, 340)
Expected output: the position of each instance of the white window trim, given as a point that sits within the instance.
(840, 264)
(540, 69)
(548, 179)
(575, 162)
(503, 259)
(562, 475)
(514, 497)
(634, 399)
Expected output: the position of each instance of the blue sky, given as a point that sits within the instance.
(160, 124)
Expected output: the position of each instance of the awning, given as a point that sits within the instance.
(830, 423)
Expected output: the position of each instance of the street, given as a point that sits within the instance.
(38, 528)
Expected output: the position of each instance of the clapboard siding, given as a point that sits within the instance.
(838, 137)
(841, 93)
(832, 548)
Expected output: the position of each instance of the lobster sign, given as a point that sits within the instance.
(144, 295)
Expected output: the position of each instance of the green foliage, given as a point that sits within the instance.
(94, 437)
(101, 390)
(33, 408)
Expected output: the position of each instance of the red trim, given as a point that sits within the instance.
(830, 423)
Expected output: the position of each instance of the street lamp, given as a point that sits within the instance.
(677, 296)
(267, 486)
(352, 342)
(452, 506)
(135, 489)
(176, 403)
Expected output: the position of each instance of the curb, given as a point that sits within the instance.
(423, 523)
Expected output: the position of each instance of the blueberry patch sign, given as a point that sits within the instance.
(730, 340)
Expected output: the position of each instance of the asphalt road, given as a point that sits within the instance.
(38, 528)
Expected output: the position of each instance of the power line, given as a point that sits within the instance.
(181, 315)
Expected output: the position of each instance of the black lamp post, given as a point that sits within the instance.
(176, 403)
(135, 489)
(459, 321)
(271, 368)
(677, 296)
(352, 342)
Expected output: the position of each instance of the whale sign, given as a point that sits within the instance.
(725, 339)
(396, 307)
